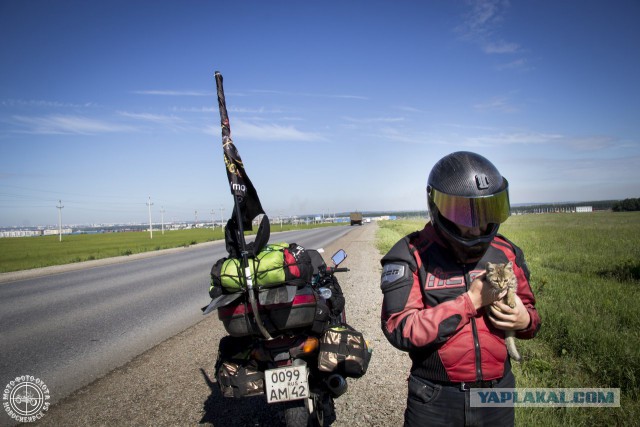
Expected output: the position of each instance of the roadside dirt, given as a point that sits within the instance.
(173, 384)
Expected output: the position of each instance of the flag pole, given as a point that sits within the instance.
(240, 184)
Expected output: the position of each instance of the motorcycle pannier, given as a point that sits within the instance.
(236, 374)
(345, 351)
(238, 380)
(274, 265)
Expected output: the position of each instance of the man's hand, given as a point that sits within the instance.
(481, 293)
(506, 318)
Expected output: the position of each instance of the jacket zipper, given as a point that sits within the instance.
(474, 331)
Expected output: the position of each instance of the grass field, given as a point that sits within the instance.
(585, 273)
(24, 253)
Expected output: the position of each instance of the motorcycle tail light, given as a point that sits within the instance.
(260, 355)
(310, 345)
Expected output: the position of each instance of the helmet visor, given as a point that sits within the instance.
(473, 211)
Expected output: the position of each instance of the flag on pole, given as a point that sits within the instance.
(241, 186)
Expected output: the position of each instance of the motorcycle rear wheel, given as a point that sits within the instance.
(299, 414)
(296, 414)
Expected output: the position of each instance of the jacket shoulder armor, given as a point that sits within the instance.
(398, 266)
(520, 261)
(402, 252)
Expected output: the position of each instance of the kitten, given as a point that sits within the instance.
(501, 277)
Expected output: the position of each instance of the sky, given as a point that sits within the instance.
(334, 106)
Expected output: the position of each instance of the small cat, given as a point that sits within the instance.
(501, 277)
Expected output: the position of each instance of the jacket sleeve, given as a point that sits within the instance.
(525, 293)
(407, 322)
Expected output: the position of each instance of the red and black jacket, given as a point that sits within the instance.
(427, 312)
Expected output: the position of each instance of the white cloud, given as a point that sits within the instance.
(195, 109)
(492, 139)
(272, 132)
(590, 171)
(574, 144)
(591, 143)
(486, 137)
(518, 64)
(60, 124)
(512, 138)
(500, 47)
(481, 24)
(42, 104)
(260, 110)
(409, 109)
(498, 103)
(155, 118)
(374, 119)
(266, 132)
(174, 92)
(239, 110)
(407, 136)
(315, 95)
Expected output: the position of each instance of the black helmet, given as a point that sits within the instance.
(466, 189)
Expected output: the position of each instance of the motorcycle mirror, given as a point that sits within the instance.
(339, 256)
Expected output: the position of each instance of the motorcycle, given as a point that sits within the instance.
(284, 366)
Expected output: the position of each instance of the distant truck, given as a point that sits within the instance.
(356, 218)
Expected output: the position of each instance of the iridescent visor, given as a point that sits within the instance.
(473, 212)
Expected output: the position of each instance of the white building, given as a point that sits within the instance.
(33, 233)
(584, 208)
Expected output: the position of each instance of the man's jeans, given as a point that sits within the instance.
(432, 404)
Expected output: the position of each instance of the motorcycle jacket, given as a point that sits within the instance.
(427, 312)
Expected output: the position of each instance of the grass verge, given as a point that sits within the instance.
(23, 253)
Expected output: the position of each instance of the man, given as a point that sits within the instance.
(437, 307)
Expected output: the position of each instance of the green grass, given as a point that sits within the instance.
(585, 273)
(32, 252)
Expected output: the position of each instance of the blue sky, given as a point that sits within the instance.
(334, 105)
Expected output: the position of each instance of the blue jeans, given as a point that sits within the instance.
(432, 404)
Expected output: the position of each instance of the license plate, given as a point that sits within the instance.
(288, 383)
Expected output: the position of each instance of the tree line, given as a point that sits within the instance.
(597, 205)
(627, 205)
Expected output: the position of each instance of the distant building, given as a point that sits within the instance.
(584, 208)
(54, 232)
(33, 233)
(20, 233)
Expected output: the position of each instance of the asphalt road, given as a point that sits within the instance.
(72, 327)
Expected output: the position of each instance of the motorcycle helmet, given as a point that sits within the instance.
(466, 190)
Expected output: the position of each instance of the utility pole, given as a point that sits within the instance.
(196, 223)
(221, 217)
(59, 206)
(162, 218)
(213, 221)
(149, 204)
